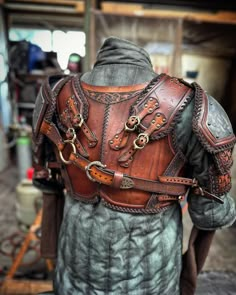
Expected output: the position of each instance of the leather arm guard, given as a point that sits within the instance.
(213, 129)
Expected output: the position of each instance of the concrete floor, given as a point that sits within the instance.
(219, 273)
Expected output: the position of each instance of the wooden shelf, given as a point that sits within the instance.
(223, 17)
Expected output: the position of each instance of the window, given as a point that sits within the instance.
(62, 42)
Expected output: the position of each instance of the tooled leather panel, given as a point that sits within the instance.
(100, 121)
(111, 117)
(157, 155)
(219, 184)
(210, 123)
(110, 97)
(224, 160)
(172, 95)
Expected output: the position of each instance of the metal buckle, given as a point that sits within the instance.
(135, 125)
(137, 147)
(61, 155)
(88, 169)
(71, 131)
(79, 116)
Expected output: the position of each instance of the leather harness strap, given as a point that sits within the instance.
(173, 186)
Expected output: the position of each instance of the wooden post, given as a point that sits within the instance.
(89, 29)
(176, 66)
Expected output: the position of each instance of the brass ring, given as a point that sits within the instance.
(61, 155)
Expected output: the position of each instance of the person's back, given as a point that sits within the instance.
(130, 145)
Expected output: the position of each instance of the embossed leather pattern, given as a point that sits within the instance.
(107, 118)
(210, 123)
(219, 184)
(224, 160)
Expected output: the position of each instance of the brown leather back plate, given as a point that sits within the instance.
(106, 118)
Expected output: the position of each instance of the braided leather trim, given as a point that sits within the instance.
(211, 148)
(80, 93)
(134, 210)
(53, 95)
(93, 200)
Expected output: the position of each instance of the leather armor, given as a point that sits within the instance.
(116, 143)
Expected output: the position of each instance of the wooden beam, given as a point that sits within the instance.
(176, 65)
(60, 2)
(21, 287)
(89, 29)
(222, 17)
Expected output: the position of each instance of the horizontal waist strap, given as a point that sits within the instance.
(175, 186)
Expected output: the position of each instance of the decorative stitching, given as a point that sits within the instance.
(80, 92)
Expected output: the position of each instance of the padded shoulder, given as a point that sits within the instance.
(211, 123)
(49, 89)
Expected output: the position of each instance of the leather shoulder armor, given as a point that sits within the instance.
(211, 124)
(42, 151)
(44, 101)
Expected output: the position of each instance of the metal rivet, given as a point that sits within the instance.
(163, 120)
(150, 109)
(116, 136)
(150, 98)
(111, 141)
(117, 146)
(158, 114)
(153, 121)
(146, 105)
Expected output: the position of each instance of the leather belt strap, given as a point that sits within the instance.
(173, 186)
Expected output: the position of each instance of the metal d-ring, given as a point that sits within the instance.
(74, 151)
(88, 169)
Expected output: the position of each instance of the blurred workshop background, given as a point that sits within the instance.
(190, 39)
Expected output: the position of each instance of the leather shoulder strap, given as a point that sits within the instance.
(172, 95)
